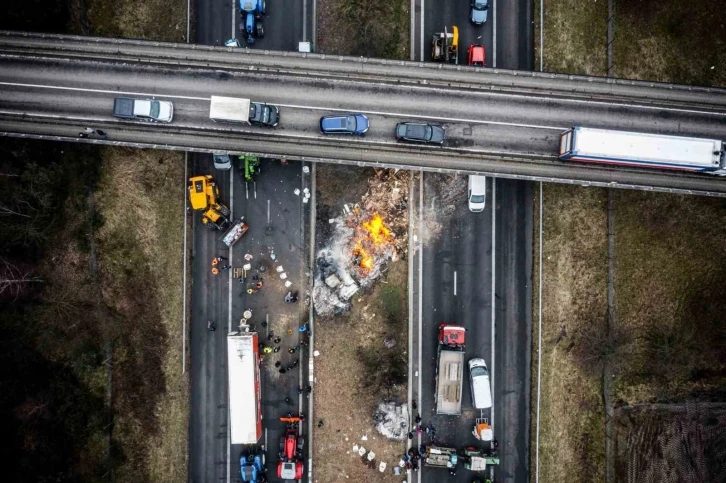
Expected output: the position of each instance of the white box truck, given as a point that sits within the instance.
(245, 403)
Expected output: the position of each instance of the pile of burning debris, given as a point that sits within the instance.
(365, 238)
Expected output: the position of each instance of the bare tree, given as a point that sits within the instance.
(15, 281)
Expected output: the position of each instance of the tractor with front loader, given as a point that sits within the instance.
(204, 197)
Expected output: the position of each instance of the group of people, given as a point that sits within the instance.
(215, 262)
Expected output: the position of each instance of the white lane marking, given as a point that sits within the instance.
(247, 191)
(454, 283)
(421, 43)
(184, 267)
(268, 209)
(234, 23)
(531, 98)
(539, 335)
(305, 21)
(420, 290)
(494, 34)
(412, 251)
(494, 281)
(229, 322)
(254, 186)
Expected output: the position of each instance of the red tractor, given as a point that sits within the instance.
(291, 451)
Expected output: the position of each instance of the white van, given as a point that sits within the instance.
(477, 193)
(481, 392)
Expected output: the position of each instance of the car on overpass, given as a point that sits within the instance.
(344, 124)
(479, 11)
(476, 55)
(264, 114)
(420, 133)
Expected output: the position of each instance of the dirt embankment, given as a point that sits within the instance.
(363, 353)
(574, 304)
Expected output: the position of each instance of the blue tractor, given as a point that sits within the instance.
(253, 11)
(252, 467)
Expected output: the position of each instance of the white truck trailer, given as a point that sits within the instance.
(229, 109)
(658, 151)
(450, 369)
(245, 405)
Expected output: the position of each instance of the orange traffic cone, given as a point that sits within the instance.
(215, 271)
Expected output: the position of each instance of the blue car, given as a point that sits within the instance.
(251, 469)
(479, 11)
(344, 124)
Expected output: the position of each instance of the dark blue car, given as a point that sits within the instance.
(344, 124)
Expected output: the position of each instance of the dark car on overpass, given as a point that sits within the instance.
(420, 133)
(344, 124)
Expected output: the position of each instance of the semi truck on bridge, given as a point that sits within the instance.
(245, 403)
(659, 151)
(450, 369)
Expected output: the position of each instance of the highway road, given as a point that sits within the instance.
(505, 125)
(456, 288)
(459, 268)
(276, 218)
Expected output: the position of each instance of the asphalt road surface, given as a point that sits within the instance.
(286, 23)
(457, 288)
(275, 215)
(501, 123)
(438, 15)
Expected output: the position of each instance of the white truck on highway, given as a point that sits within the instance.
(245, 404)
(450, 369)
(659, 151)
(243, 111)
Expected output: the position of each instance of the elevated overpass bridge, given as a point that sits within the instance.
(499, 123)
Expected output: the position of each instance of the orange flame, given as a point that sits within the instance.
(374, 234)
(377, 231)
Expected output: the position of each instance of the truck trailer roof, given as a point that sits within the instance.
(245, 412)
(229, 109)
(623, 147)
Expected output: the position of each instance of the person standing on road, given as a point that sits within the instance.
(210, 326)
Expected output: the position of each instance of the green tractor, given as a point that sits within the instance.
(250, 166)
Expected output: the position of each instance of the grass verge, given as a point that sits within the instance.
(671, 41)
(668, 273)
(368, 28)
(356, 370)
(572, 417)
(141, 199)
(574, 36)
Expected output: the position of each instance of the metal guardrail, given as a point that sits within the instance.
(381, 70)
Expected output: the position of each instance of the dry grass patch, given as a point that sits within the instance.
(368, 28)
(345, 398)
(669, 270)
(148, 19)
(572, 416)
(671, 41)
(575, 36)
(141, 199)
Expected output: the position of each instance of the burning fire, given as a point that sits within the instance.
(371, 235)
